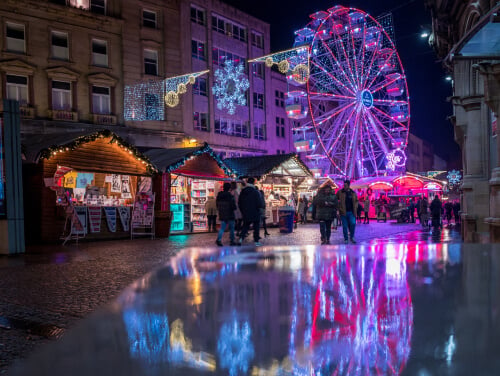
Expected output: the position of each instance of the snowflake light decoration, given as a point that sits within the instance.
(395, 158)
(230, 87)
(454, 177)
(235, 346)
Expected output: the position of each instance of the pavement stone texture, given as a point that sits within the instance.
(48, 290)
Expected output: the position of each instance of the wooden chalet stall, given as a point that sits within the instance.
(97, 173)
(187, 178)
(278, 175)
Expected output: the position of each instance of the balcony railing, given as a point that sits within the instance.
(63, 115)
(27, 112)
(104, 119)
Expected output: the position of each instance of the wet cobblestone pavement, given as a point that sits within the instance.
(44, 293)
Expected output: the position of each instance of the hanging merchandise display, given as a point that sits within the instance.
(110, 213)
(142, 222)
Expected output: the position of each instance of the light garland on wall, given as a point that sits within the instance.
(293, 62)
(178, 85)
(230, 87)
(53, 150)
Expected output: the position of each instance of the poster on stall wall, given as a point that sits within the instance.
(126, 193)
(84, 179)
(110, 213)
(116, 183)
(95, 218)
(124, 212)
(108, 179)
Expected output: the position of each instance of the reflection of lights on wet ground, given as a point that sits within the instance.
(449, 349)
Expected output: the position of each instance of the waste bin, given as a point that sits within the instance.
(286, 214)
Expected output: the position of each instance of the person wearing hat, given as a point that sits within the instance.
(348, 205)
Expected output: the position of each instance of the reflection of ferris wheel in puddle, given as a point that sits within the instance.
(357, 97)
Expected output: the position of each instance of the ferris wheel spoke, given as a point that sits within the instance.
(327, 96)
(384, 84)
(354, 55)
(328, 115)
(369, 70)
(382, 67)
(338, 138)
(389, 117)
(313, 78)
(376, 129)
(353, 145)
(373, 160)
(347, 60)
(338, 64)
(388, 102)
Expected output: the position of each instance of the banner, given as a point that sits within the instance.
(95, 218)
(81, 212)
(124, 212)
(110, 213)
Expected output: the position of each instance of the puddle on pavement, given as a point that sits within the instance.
(31, 327)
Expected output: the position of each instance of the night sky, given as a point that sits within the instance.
(425, 76)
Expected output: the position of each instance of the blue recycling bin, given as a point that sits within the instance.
(286, 215)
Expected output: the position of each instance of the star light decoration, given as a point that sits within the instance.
(293, 62)
(230, 87)
(454, 177)
(395, 158)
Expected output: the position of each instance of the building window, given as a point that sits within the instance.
(198, 16)
(259, 131)
(258, 100)
(279, 98)
(229, 28)
(98, 6)
(220, 56)
(151, 105)
(61, 95)
(235, 128)
(151, 62)
(258, 70)
(59, 42)
(280, 127)
(99, 53)
(239, 33)
(257, 39)
(200, 87)
(17, 89)
(149, 18)
(15, 38)
(200, 121)
(101, 100)
(198, 50)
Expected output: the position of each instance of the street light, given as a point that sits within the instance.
(424, 34)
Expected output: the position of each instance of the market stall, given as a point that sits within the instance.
(278, 175)
(188, 177)
(86, 184)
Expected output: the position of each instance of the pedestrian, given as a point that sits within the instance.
(348, 205)
(411, 208)
(367, 209)
(250, 203)
(263, 212)
(304, 212)
(448, 208)
(300, 209)
(325, 209)
(358, 212)
(436, 208)
(456, 211)
(226, 206)
(211, 212)
(417, 206)
(238, 219)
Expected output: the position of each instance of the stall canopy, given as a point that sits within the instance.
(374, 182)
(277, 165)
(196, 162)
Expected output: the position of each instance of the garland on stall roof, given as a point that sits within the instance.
(54, 149)
(205, 149)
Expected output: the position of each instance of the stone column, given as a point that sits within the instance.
(491, 76)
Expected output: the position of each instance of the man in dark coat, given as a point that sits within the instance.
(226, 207)
(250, 202)
(325, 209)
(436, 208)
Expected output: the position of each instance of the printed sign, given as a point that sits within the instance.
(116, 183)
(110, 213)
(95, 218)
(126, 193)
(124, 212)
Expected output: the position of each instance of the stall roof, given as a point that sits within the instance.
(179, 161)
(271, 165)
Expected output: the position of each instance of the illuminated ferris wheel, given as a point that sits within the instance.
(355, 109)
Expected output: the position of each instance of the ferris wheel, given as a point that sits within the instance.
(355, 110)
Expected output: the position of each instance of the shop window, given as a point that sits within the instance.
(59, 45)
(198, 16)
(200, 121)
(151, 104)
(258, 100)
(15, 37)
(101, 100)
(198, 50)
(149, 19)
(258, 70)
(17, 89)
(259, 131)
(151, 62)
(200, 87)
(98, 6)
(257, 39)
(61, 95)
(99, 53)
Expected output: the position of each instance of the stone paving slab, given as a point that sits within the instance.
(44, 293)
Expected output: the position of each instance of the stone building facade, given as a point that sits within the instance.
(69, 62)
(465, 36)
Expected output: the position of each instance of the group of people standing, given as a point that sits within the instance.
(437, 211)
(325, 206)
